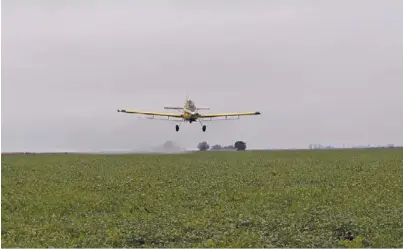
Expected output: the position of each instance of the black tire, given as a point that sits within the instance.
(177, 127)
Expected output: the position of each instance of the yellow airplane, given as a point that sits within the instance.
(190, 113)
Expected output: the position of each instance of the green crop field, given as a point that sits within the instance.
(350, 198)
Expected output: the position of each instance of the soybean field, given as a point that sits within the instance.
(312, 198)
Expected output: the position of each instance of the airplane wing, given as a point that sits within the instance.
(229, 114)
(164, 114)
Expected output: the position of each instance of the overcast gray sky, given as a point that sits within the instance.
(327, 72)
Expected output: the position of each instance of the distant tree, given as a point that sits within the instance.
(169, 145)
(216, 147)
(229, 147)
(203, 146)
(240, 145)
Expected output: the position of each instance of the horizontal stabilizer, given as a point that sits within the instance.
(203, 108)
(173, 108)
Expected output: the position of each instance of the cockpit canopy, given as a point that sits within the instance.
(190, 105)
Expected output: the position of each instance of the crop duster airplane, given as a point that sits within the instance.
(190, 113)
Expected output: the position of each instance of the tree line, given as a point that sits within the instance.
(238, 145)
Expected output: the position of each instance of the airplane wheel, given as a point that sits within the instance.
(177, 127)
(204, 128)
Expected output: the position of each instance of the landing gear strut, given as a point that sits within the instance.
(203, 126)
(177, 126)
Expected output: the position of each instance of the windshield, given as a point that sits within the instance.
(191, 105)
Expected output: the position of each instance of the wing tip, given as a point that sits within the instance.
(258, 113)
(121, 110)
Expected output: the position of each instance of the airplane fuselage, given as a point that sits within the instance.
(190, 116)
(190, 111)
